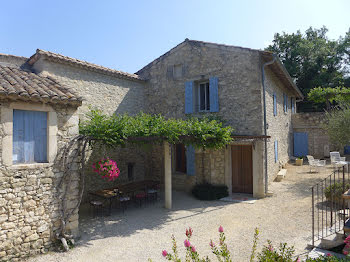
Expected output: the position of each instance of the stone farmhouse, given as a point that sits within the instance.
(44, 96)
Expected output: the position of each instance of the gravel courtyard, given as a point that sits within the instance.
(142, 233)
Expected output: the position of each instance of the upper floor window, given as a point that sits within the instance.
(292, 104)
(29, 136)
(202, 96)
(285, 103)
(274, 104)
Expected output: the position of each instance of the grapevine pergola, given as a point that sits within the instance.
(118, 130)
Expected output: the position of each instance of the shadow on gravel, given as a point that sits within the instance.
(150, 216)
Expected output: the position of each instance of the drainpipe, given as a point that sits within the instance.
(265, 124)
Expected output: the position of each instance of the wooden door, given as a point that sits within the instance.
(242, 169)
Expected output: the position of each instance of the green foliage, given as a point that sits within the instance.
(312, 59)
(337, 190)
(118, 129)
(328, 95)
(208, 191)
(337, 125)
(282, 254)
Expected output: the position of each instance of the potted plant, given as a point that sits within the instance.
(299, 161)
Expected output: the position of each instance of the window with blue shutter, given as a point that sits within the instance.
(214, 94)
(276, 151)
(190, 160)
(274, 104)
(29, 137)
(285, 104)
(292, 105)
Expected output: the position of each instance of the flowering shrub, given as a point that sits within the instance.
(268, 253)
(107, 168)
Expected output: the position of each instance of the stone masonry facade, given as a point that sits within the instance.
(29, 203)
(28, 194)
(279, 126)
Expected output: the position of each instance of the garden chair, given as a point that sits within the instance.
(316, 163)
(336, 160)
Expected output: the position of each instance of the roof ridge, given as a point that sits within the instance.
(199, 42)
(81, 63)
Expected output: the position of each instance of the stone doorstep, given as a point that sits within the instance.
(281, 174)
(318, 252)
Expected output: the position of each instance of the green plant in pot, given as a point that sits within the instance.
(299, 161)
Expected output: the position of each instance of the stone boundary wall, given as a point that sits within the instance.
(318, 141)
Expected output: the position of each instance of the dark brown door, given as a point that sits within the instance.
(242, 169)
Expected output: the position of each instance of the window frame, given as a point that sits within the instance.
(7, 123)
(22, 152)
(206, 96)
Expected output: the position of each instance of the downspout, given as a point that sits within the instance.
(265, 124)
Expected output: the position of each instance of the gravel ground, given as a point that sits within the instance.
(142, 233)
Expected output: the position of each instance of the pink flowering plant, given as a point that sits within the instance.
(107, 168)
(283, 253)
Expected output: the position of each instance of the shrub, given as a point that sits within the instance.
(268, 254)
(337, 190)
(206, 191)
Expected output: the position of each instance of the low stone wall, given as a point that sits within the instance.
(319, 144)
(29, 203)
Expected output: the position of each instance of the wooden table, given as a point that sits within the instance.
(110, 194)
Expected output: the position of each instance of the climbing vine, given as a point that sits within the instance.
(117, 130)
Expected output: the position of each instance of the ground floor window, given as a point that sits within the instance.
(29, 137)
(180, 158)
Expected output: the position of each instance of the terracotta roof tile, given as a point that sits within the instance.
(80, 63)
(19, 83)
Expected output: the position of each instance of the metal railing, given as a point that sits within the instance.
(328, 208)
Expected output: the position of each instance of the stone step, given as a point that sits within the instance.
(332, 241)
(281, 174)
(318, 252)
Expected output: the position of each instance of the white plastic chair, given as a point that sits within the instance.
(316, 163)
(337, 160)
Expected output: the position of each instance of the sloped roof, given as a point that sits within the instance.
(277, 67)
(21, 84)
(80, 63)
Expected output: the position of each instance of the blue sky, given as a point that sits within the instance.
(127, 35)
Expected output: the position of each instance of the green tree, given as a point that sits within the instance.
(312, 59)
(330, 96)
(337, 125)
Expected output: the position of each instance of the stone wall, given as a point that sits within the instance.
(239, 76)
(279, 126)
(110, 94)
(238, 71)
(319, 144)
(29, 206)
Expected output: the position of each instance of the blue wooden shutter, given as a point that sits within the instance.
(189, 97)
(286, 103)
(292, 105)
(274, 104)
(276, 151)
(214, 94)
(18, 136)
(190, 160)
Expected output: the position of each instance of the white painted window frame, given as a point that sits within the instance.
(7, 140)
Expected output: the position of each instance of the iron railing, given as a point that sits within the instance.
(328, 208)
